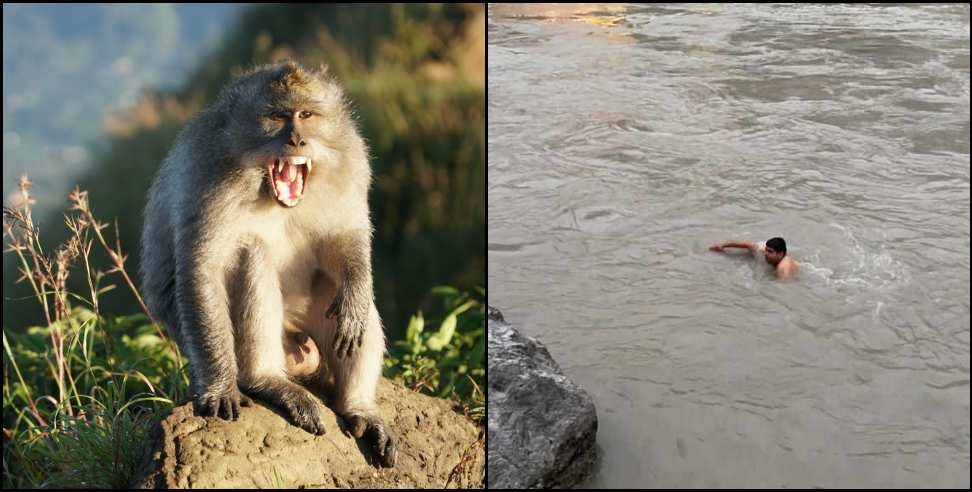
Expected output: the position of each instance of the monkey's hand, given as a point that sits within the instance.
(351, 323)
(223, 401)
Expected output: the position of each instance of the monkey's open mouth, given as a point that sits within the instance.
(287, 176)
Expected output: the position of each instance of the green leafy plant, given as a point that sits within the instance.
(79, 393)
(446, 355)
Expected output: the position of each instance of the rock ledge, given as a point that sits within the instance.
(541, 426)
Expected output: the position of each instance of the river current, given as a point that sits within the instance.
(623, 140)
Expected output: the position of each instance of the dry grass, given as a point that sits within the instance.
(460, 473)
(78, 391)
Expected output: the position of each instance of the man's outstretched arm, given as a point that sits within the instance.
(733, 244)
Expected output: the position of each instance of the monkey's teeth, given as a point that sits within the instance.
(298, 160)
(279, 165)
(310, 165)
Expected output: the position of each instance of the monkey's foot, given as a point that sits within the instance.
(294, 400)
(303, 412)
(224, 403)
(376, 435)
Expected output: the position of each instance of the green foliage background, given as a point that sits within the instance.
(415, 75)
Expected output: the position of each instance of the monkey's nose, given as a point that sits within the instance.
(296, 140)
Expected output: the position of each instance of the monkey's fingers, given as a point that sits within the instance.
(381, 443)
(305, 414)
(235, 406)
(344, 344)
(335, 309)
(202, 406)
(357, 425)
(206, 406)
(355, 344)
(349, 347)
(218, 405)
(228, 406)
(245, 401)
(351, 344)
(388, 453)
(339, 344)
(225, 406)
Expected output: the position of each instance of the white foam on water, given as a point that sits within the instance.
(854, 265)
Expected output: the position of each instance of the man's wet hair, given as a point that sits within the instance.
(778, 245)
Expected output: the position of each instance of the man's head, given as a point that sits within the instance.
(775, 250)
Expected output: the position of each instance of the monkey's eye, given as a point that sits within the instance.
(305, 114)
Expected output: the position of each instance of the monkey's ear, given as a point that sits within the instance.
(322, 69)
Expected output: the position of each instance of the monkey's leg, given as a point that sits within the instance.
(356, 381)
(260, 343)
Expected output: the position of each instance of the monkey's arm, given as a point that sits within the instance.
(351, 305)
(207, 329)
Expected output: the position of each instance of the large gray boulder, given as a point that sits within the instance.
(541, 426)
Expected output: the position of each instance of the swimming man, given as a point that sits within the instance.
(773, 250)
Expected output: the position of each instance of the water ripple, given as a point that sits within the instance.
(624, 140)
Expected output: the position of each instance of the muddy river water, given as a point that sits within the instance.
(623, 140)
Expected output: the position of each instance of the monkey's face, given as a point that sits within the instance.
(292, 127)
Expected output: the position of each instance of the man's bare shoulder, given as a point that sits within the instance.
(787, 269)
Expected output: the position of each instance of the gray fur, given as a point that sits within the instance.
(229, 270)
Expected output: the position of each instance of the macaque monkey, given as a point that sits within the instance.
(256, 253)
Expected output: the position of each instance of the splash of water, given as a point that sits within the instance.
(860, 267)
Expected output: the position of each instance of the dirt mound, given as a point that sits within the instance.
(262, 449)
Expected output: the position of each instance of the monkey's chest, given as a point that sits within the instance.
(292, 260)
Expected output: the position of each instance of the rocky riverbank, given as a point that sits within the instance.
(541, 426)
